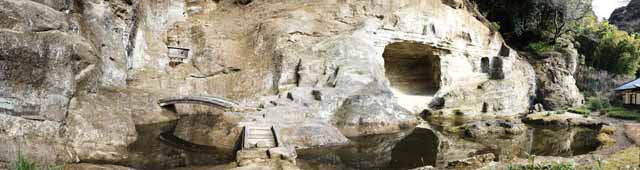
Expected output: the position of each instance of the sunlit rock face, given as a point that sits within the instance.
(627, 18)
(344, 69)
(557, 87)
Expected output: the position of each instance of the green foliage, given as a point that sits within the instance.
(605, 47)
(23, 163)
(525, 21)
(496, 25)
(559, 112)
(622, 113)
(583, 110)
(598, 103)
(542, 166)
(541, 47)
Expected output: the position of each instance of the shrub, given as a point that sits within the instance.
(598, 103)
(541, 47)
(622, 113)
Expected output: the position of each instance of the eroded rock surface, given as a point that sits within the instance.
(627, 18)
(556, 85)
(81, 75)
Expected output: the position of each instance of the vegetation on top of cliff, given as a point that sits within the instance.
(535, 20)
(605, 47)
(537, 26)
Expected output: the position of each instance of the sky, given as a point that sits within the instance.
(604, 8)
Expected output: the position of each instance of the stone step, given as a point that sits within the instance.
(256, 129)
(267, 136)
(260, 133)
(261, 140)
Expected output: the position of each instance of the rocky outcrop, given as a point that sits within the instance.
(41, 71)
(627, 18)
(556, 85)
(599, 82)
(41, 141)
(321, 71)
(562, 120)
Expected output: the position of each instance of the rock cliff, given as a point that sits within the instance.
(627, 18)
(78, 77)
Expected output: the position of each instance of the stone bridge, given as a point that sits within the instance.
(202, 100)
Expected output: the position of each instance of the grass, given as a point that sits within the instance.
(625, 159)
(622, 113)
(23, 163)
(543, 166)
(583, 110)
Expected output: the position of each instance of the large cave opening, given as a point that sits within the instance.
(413, 69)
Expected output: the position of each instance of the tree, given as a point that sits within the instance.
(567, 15)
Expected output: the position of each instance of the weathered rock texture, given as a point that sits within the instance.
(72, 71)
(627, 18)
(599, 82)
(556, 85)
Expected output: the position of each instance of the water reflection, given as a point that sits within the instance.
(405, 150)
(149, 151)
(562, 141)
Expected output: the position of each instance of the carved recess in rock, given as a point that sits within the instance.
(413, 70)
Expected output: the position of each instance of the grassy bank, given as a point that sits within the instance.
(622, 113)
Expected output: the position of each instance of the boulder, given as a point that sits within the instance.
(363, 115)
(99, 127)
(562, 120)
(556, 85)
(39, 141)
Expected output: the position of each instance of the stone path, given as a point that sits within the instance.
(622, 142)
(632, 131)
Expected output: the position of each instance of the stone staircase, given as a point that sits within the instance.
(259, 137)
(260, 145)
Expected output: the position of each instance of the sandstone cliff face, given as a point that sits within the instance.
(627, 18)
(82, 74)
(557, 87)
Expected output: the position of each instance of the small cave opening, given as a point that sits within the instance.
(413, 70)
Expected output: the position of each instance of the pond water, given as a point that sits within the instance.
(406, 150)
(157, 148)
(564, 142)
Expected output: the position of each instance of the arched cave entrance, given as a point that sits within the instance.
(413, 69)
